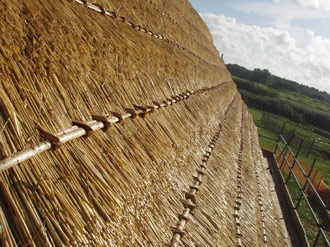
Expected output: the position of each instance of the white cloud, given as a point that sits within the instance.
(295, 54)
(316, 4)
(281, 13)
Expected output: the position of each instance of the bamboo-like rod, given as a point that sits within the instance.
(100, 9)
(73, 133)
(177, 234)
(23, 155)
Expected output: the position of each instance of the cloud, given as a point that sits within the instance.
(282, 13)
(295, 54)
(316, 4)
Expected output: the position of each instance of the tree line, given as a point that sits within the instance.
(263, 76)
(267, 99)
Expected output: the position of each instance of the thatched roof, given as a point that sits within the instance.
(183, 158)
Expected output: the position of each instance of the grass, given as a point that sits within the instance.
(264, 142)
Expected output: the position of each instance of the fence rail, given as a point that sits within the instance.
(294, 141)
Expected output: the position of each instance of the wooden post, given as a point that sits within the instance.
(318, 187)
(299, 148)
(306, 184)
(313, 178)
(310, 149)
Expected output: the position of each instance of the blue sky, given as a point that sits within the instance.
(291, 38)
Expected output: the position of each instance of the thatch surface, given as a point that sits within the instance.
(61, 61)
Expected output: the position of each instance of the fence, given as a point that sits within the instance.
(287, 160)
(307, 180)
(307, 147)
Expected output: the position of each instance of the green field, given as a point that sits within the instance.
(321, 145)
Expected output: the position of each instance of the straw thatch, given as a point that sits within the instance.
(68, 60)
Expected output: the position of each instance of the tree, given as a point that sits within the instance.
(262, 76)
(239, 71)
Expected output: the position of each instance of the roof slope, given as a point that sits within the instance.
(186, 124)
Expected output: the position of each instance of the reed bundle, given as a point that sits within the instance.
(61, 61)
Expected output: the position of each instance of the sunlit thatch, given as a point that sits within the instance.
(62, 61)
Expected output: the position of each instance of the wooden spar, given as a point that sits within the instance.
(28, 153)
(23, 155)
(100, 9)
(63, 136)
(79, 129)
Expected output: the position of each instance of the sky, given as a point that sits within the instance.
(290, 38)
